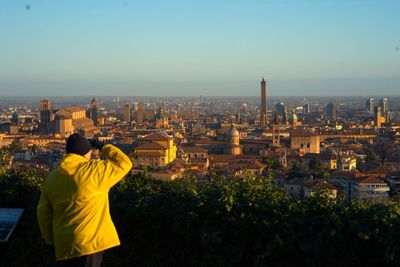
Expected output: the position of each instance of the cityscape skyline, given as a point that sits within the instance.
(309, 152)
(207, 48)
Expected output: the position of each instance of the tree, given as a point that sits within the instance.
(235, 222)
(295, 172)
(15, 146)
(370, 154)
(315, 168)
(34, 149)
(270, 162)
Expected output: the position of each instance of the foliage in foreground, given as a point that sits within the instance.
(222, 223)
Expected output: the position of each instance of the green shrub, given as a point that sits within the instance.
(221, 223)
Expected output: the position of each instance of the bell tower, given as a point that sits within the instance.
(276, 132)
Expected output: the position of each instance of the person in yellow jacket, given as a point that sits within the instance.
(73, 210)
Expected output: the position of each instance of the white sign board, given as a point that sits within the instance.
(8, 221)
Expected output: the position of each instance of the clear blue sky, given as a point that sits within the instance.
(216, 47)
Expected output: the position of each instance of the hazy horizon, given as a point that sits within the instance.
(326, 87)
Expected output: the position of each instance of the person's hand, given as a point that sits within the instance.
(96, 143)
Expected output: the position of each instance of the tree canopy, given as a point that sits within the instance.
(239, 222)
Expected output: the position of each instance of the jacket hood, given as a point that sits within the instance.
(71, 163)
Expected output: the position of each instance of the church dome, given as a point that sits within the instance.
(233, 132)
(160, 115)
(292, 116)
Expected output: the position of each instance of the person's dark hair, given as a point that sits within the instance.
(78, 144)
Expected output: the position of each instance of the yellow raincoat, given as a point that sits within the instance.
(73, 210)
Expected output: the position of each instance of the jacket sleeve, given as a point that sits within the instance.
(113, 168)
(44, 214)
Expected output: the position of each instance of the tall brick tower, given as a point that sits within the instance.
(276, 131)
(93, 111)
(127, 112)
(263, 117)
(378, 117)
(45, 115)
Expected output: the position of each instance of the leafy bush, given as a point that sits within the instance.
(226, 223)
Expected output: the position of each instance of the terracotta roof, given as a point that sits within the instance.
(386, 169)
(246, 165)
(254, 141)
(193, 149)
(322, 156)
(198, 160)
(63, 114)
(237, 166)
(228, 158)
(256, 165)
(321, 185)
(167, 171)
(369, 180)
(179, 163)
(149, 154)
(209, 142)
(343, 174)
(73, 109)
(301, 133)
(150, 146)
(158, 136)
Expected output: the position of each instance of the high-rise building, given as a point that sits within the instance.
(238, 118)
(263, 117)
(378, 117)
(15, 118)
(387, 117)
(369, 106)
(384, 106)
(93, 111)
(285, 119)
(331, 111)
(139, 112)
(280, 108)
(127, 112)
(306, 109)
(245, 107)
